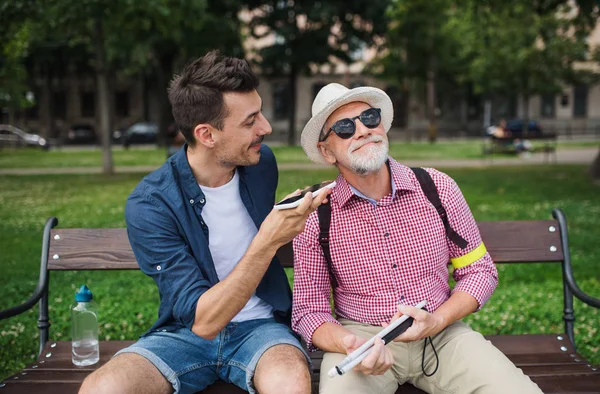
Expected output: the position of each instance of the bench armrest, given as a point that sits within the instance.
(42, 286)
(568, 276)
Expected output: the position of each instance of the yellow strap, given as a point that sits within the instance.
(469, 258)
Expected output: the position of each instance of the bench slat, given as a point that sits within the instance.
(556, 371)
(530, 241)
(90, 249)
(542, 344)
(95, 249)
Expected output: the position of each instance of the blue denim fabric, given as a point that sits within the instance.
(191, 363)
(170, 239)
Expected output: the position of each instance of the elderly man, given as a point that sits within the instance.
(392, 231)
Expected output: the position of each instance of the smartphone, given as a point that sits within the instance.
(293, 202)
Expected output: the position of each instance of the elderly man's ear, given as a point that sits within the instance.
(326, 153)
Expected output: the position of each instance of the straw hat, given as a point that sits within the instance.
(332, 97)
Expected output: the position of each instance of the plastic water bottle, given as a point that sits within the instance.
(84, 324)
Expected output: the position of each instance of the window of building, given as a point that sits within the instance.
(580, 99)
(59, 105)
(548, 108)
(281, 100)
(88, 104)
(122, 104)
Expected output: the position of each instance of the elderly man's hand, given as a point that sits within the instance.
(425, 324)
(379, 360)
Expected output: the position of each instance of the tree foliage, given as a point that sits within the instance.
(309, 33)
(107, 38)
(499, 47)
(15, 36)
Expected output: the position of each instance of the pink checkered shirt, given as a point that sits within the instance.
(395, 252)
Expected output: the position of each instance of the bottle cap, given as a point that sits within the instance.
(84, 294)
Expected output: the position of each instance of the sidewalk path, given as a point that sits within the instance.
(563, 156)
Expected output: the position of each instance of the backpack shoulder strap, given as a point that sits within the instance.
(324, 212)
(431, 192)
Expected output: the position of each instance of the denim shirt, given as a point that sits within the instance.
(170, 239)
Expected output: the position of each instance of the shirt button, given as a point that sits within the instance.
(202, 201)
(386, 235)
(158, 267)
(394, 266)
(192, 201)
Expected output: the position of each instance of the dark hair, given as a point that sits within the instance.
(196, 95)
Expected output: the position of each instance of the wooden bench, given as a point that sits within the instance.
(492, 145)
(551, 360)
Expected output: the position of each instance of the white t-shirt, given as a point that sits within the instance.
(230, 232)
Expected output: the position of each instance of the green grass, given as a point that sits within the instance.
(528, 298)
(33, 158)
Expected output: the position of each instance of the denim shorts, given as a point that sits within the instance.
(191, 363)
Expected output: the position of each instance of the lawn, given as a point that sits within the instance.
(528, 299)
(92, 157)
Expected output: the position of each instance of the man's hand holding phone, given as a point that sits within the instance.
(295, 199)
(282, 225)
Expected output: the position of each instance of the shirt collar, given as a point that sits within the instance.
(188, 181)
(400, 180)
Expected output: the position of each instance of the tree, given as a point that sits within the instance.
(595, 167)
(14, 46)
(164, 36)
(424, 49)
(147, 37)
(309, 33)
(106, 28)
(499, 47)
(529, 48)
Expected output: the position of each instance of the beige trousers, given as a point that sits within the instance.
(468, 363)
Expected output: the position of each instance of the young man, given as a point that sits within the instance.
(202, 227)
(389, 249)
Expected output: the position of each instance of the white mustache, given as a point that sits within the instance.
(358, 144)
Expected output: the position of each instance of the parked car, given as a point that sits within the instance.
(81, 134)
(515, 126)
(14, 137)
(140, 133)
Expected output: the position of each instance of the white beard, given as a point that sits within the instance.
(368, 159)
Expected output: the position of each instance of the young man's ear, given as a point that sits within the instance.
(327, 154)
(204, 135)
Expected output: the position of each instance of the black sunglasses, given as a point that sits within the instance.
(345, 128)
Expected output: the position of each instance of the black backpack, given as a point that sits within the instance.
(428, 187)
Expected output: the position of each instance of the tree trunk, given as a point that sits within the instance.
(11, 116)
(487, 113)
(145, 95)
(595, 168)
(525, 129)
(292, 112)
(103, 99)
(464, 114)
(431, 112)
(165, 116)
(45, 108)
